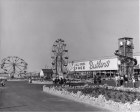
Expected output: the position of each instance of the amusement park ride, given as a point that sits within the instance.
(14, 66)
(125, 56)
(59, 58)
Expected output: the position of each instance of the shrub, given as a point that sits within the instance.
(110, 93)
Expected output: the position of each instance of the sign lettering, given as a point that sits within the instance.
(98, 64)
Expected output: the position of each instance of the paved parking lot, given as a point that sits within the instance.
(22, 96)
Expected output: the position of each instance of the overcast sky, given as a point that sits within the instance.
(90, 28)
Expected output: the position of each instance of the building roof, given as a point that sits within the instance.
(125, 38)
(137, 54)
(45, 71)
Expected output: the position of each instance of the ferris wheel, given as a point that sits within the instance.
(14, 66)
(59, 58)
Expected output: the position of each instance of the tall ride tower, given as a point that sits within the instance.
(125, 56)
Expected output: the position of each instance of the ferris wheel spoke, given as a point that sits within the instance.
(63, 62)
(7, 60)
(7, 66)
(10, 69)
(7, 63)
(17, 60)
(4, 66)
(14, 59)
(21, 65)
(11, 58)
(21, 62)
(19, 68)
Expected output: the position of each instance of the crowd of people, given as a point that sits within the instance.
(119, 80)
(123, 80)
(97, 80)
(60, 81)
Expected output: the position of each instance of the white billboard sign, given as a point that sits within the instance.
(95, 65)
(105, 64)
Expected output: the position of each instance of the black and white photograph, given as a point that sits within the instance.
(69, 56)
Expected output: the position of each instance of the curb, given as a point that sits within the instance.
(17, 80)
(38, 82)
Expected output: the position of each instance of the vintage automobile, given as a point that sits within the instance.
(3, 80)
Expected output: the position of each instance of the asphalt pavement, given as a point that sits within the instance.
(22, 96)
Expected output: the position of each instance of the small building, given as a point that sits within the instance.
(46, 73)
(34, 75)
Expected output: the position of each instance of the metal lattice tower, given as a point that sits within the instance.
(125, 56)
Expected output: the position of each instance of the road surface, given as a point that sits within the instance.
(22, 96)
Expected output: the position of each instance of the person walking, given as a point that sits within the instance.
(95, 79)
(121, 81)
(125, 80)
(30, 80)
(117, 80)
(133, 81)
